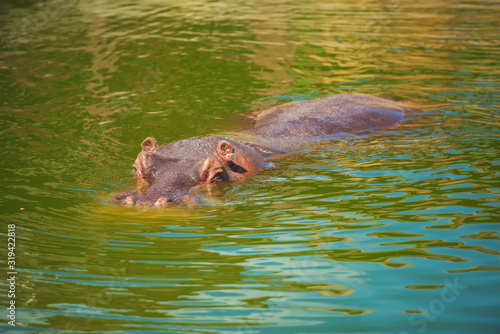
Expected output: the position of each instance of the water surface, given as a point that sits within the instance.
(392, 231)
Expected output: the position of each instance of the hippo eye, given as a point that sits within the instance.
(219, 177)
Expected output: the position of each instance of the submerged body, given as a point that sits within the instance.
(170, 171)
(348, 113)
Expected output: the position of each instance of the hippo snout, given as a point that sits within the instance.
(131, 199)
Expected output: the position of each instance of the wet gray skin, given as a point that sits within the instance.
(170, 171)
(348, 113)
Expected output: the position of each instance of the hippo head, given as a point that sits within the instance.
(170, 171)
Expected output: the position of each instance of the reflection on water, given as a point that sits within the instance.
(394, 231)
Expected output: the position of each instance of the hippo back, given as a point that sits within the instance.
(347, 113)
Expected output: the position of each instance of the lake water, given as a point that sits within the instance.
(391, 231)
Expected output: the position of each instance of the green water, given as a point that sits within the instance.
(393, 231)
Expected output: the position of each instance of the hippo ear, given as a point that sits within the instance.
(225, 151)
(149, 144)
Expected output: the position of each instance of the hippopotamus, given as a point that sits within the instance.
(169, 172)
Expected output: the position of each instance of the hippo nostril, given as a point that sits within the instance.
(163, 201)
(130, 200)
